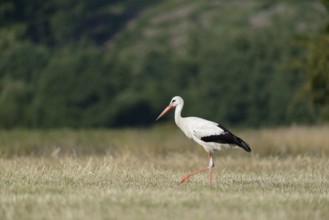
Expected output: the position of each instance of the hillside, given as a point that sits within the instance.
(112, 64)
(170, 25)
(237, 55)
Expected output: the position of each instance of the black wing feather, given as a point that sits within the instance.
(227, 138)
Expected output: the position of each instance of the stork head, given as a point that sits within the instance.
(177, 100)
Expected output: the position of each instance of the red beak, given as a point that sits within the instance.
(167, 109)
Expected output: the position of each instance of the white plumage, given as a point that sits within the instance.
(210, 135)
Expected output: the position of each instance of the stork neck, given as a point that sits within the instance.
(178, 113)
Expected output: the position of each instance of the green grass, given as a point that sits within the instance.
(134, 174)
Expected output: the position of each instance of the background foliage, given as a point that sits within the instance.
(112, 63)
(317, 68)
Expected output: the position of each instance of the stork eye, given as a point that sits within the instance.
(173, 101)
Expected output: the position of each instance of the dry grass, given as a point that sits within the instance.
(294, 140)
(161, 141)
(134, 174)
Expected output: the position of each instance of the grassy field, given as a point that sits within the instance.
(134, 174)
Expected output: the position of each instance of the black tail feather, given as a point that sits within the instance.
(241, 143)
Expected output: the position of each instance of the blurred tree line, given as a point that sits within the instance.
(73, 64)
(317, 67)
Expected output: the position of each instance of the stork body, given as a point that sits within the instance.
(210, 135)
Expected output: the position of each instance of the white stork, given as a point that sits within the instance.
(210, 135)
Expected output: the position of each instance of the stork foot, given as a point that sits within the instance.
(186, 177)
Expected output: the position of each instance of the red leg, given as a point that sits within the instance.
(211, 165)
(210, 176)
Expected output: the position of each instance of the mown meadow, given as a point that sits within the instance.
(134, 174)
